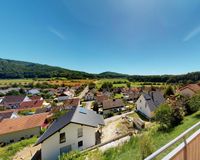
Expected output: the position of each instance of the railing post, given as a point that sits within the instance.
(185, 148)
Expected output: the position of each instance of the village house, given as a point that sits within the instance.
(148, 103)
(100, 98)
(89, 96)
(76, 130)
(8, 114)
(69, 103)
(189, 90)
(13, 102)
(34, 102)
(112, 105)
(13, 130)
(21, 102)
(33, 91)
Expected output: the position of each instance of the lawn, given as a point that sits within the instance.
(7, 152)
(131, 149)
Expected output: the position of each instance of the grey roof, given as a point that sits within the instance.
(153, 99)
(75, 115)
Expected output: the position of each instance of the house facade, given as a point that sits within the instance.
(112, 105)
(74, 131)
(148, 103)
(67, 139)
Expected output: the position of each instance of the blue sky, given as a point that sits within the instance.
(127, 36)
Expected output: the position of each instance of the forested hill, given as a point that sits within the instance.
(20, 69)
(10, 69)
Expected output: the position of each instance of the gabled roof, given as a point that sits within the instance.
(76, 115)
(15, 99)
(101, 98)
(153, 99)
(112, 103)
(31, 104)
(71, 102)
(6, 114)
(193, 87)
(22, 123)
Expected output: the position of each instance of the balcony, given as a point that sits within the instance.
(189, 149)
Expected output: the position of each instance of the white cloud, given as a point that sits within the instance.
(56, 32)
(192, 34)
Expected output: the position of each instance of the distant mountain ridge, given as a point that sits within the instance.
(10, 69)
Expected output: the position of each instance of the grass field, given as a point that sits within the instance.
(59, 81)
(7, 152)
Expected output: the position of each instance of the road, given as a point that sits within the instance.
(82, 94)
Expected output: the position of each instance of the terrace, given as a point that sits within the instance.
(189, 149)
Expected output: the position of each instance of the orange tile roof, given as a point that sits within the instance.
(22, 123)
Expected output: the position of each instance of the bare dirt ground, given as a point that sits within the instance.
(114, 129)
(27, 153)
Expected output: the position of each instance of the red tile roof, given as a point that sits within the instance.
(22, 123)
(193, 87)
(31, 104)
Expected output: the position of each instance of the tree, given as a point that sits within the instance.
(177, 115)
(128, 84)
(22, 91)
(194, 103)
(163, 116)
(96, 107)
(169, 91)
(92, 85)
(13, 93)
(107, 86)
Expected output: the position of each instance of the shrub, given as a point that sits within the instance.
(169, 91)
(163, 116)
(194, 103)
(146, 145)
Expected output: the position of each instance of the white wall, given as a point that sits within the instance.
(16, 136)
(51, 146)
(143, 107)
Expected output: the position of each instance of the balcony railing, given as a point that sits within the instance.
(189, 149)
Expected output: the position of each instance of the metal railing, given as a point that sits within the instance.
(182, 136)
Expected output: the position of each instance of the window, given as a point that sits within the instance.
(62, 138)
(65, 149)
(12, 140)
(80, 132)
(22, 138)
(80, 144)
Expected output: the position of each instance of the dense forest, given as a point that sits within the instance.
(10, 69)
(18, 69)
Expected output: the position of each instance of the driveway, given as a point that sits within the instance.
(82, 94)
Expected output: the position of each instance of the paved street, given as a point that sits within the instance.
(82, 94)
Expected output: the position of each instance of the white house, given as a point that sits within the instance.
(89, 96)
(76, 130)
(147, 103)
